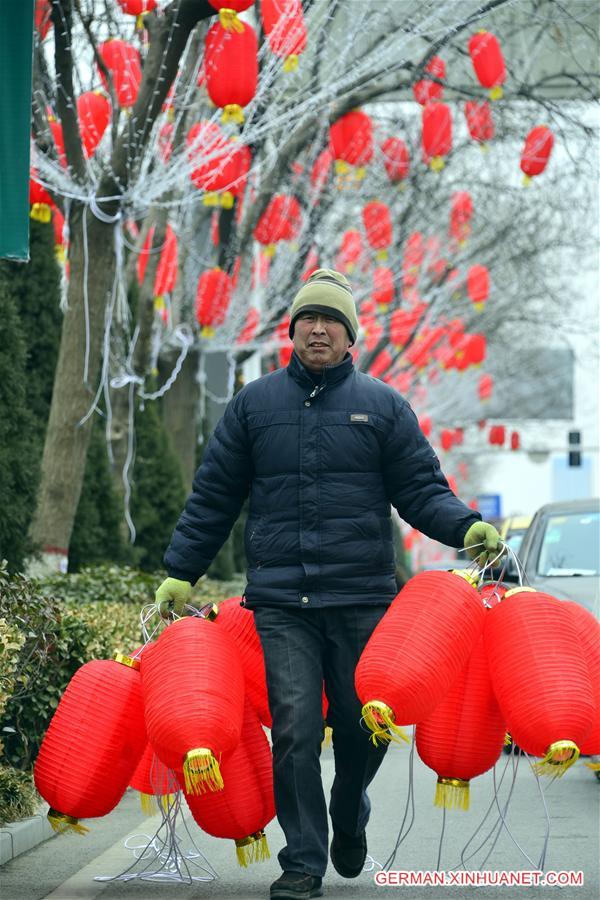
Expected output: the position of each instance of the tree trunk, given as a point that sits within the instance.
(66, 444)
(180, 411)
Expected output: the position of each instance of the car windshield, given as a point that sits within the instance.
(570, 545)
(514, 539)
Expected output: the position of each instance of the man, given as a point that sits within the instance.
(323, 451)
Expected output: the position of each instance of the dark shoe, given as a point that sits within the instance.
(348, 853)
(296, 886)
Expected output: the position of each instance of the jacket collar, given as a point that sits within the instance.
(330, 375)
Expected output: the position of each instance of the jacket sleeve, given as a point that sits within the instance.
(416, 485)
(220, 487)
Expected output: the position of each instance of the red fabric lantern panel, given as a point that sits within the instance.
(396, 159)
(245, 806)
(193, 688)
(436, 133)
(478, 285)
(351, 139)
(378, 226)
(93, 744)
(540, 677)
(137, 7)
(154, 781)
(281, 221)
(40, 201)
(237, 5)
(123, 62)
(464, 735)
(383, 287)
(42, 17)
(485, 387)
(320, 171)
(239, 623)
(426, 90)
(418, 650)
(382, 362)
(403, 324)
(461, 213)
(283, 23)
(497, 435)
(223, 163)
(212, 299)
(231, 65)
(587, 628)
(166, 271)
(537, 150)
(351, 251)
(250, 326)
(446, 439)
(488, 62)
(94, 112)
(479, 120)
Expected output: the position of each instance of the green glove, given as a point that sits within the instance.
(487, 540)
(172, 596)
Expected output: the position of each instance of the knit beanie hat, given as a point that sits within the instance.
(327, 292)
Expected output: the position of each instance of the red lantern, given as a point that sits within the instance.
(58, 225)
(165, 141)
(212, 300)
(464, 735)
(193, 687)
(319, 175)
(540, 677)
(412, 259)
(378, 226)
(426, 90)
(396, 159)
(246, 804)
(536, 152)
(383, 287)
(283, 23)
(42, 17)
(485, 387)
(425, 425)
(123, 62)
(478, 285)
(436, 133)
(515, 441)
(93, 744)
(587, 628)
(461, 213)
(224, 163)
(488, 62)
(382, 362)
(40, 201)
(137, 8)
(58, 138)
(231, 65)
(281, 221)
(250, 326)
(351, 140)
(311, 264)
(94, 113)
(403, 324)
(153, 781)
(446, 439)
(239, 623)
(350, 252)
(418, 650)
(237, 6)
(497, 435)
(166, 271)
(479, 120)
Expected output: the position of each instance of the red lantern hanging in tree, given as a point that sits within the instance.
(40, 201)
(446, 439)
(281, 221)
(479, 120)
(540, 677)
(461, 213)
(412, 259)
(166, 271)
(93, 744)
(488, 62)
(436, 133)
(58, 138)
(515, 440)
(403, 323)
(425, 425)
(536, 152)
(478, 285)
(123, 62)
(223, 167)
(321, 168)
(382, 362)
(351, 141)
(378, 227)
(485, 387)
(427, 90)
(396, 159)
(193, 688)
(283, 23)
(94, 113)
(418, 650)
(42, 17)
(383, 287)
(497, 435)
(464, 735)
(351, 251)
(231, 66)
(249, 327)
(137, 8)
(246, 805)
(212, 300)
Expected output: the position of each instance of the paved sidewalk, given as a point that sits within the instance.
(64, 868)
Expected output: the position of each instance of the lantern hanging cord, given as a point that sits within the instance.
(409, 807)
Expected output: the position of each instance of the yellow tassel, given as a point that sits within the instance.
(452, 793)
(251, 849)
(226, 200)
(360, 173)
(62, 823)
(210, 199)
(148, 804)
(291, 63)
(595, 767)
(327, 736)
(560, 756)
(59, 252)
(383, 307)
(381, 255)
(201, 771)
(207, 332)
(342, 167)
(496, 93)
(507, 740)
(233, 113)
(170, 114)
(229, 20)
(380, 719)
(484, 147)
(41, 212)
(437, 163)
(269, 250)
(139, 22)
(159, 303)
(526, 180)
(478, 307)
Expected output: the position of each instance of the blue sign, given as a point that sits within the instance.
(490, 506)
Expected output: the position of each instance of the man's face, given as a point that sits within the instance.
(320, 340)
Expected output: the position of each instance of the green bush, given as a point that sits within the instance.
(103, 582)
(18, 796)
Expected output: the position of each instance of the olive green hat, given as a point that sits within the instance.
(328, 292)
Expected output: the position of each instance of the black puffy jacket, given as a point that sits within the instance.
(322, 464)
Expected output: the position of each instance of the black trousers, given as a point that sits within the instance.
(303, 649)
